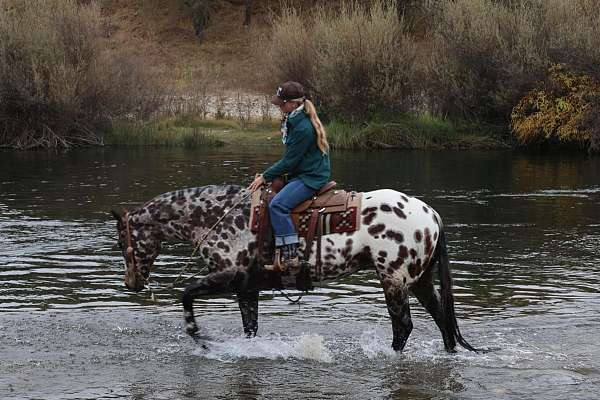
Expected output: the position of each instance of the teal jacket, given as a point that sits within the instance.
(302, 158)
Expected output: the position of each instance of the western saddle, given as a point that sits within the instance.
(329, 210)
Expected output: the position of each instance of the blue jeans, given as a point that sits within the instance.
(292, 194)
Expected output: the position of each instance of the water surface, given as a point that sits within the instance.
(524, 239)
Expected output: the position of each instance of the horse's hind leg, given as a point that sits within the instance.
(248, 302)
(213, 283)
(399, 310)
(429, 298)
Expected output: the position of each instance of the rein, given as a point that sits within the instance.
(201, 241)
(129, 251)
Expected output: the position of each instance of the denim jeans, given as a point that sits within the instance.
(292, 194)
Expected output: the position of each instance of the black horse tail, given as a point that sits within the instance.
(447, 297)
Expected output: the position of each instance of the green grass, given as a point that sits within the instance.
(422, 131)
(190, 132)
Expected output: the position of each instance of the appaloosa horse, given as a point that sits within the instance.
(400, 237)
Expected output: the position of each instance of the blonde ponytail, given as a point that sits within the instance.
(311, 111)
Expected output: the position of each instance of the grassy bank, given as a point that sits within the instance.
(190, 132)
(408, 132)
(422, 131)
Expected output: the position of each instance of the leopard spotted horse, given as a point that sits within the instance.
(400, 237)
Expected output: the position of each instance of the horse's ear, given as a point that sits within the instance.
(116, 216)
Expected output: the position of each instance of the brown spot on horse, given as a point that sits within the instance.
(399, 213)
(376, 229)
(418, 236)
(403, 252)
(385, 208)
(240, 222)
(428, 242)
(369, 218)
(398, 237)
(368, 210)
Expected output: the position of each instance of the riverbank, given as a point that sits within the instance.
(407, 132)
(191, 133)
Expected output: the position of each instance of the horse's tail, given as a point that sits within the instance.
(446, 293)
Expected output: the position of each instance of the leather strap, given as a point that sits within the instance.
(129, 251)
(310, 235)
(263, 227)
(319, 263)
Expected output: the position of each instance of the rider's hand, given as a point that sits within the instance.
(258, 181)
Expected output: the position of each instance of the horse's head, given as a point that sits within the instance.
(139, 247)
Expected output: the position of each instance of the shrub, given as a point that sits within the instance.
(57, 88)
(292, 50)
(357, 60)
(488, 54)
(364, 61)
(564, 108)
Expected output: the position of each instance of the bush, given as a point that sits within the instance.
(357, 60)
(57, 88)
(565, 108)
(488, 54)
(292, 49)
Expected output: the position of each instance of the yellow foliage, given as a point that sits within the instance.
(564, 108)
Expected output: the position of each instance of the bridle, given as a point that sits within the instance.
(129, 251)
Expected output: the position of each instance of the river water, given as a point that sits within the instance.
(524, 243)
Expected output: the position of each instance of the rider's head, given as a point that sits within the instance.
(290, 95)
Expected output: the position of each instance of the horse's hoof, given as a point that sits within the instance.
(200, 340)
(398, 346)
(191, 330)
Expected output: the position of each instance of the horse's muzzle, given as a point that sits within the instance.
(138, 287)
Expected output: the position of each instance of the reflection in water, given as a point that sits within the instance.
(524, 240)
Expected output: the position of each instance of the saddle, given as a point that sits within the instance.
(329, 211)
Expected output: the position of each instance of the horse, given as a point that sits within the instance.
(400, 237)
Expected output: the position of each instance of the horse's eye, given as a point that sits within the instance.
(120, 245)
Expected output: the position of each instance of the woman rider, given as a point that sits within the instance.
(306, 163)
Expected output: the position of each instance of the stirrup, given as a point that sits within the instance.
(292, 264)
(276, 266)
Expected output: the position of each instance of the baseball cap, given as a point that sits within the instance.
(288, 91)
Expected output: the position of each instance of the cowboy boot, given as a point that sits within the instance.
(285, 257)
(290, 258)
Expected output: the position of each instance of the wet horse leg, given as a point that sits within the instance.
(429, 297)
(213, 283)
(248, 302)
(399, 310)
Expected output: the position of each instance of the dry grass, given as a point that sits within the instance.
(162, 31)
(56, 86)
(357, 59)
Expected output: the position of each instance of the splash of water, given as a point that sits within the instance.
(304, 347)
(375, 346)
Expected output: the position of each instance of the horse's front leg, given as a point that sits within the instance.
(248, 301)
(214, 283)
